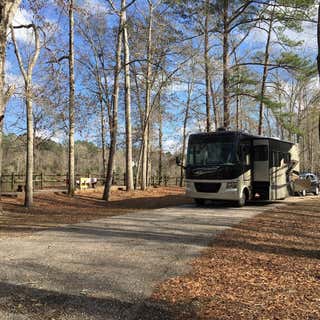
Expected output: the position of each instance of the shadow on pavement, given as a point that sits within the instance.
(43, 304)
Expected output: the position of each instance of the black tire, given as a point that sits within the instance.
(242, 201)
(199, 202)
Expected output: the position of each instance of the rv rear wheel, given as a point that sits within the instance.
(242, 200)
(199, 202)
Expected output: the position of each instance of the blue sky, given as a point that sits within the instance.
(15, 112)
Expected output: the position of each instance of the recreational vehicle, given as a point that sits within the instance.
(236, 166)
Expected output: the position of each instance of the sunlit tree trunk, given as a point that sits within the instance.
(103, 133)
(226, 71)
(206, 63)
(145, 143)
(215, 107)
(27, 76)
(318, 60)
(129, 172)
(71, 186)
(184, 133)
(160, 165)
(265, 73)
(7, 11)
(114, 118)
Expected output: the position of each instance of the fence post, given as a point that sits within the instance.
(12, 181)
(41, 180)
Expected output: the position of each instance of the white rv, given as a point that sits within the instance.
(236, 166)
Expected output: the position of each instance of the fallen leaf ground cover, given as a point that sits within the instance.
(267, 267)
(53, 209)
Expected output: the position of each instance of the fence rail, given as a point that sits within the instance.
(15, 182)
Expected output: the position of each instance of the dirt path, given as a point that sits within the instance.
(107, 268)
(56, 209)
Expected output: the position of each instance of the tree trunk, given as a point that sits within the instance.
(114, 120)
(225, 56)
(145, 143)
(265, 73)
(160, 166)
(129, 172)
(71, 101)
(318, 59)
(28, 201)
(3, 41)
(7, 11)
(103, 134)
(214, 106)
(27, 76)
(206, 64)
(184, 134)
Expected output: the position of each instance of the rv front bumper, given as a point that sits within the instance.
(213, 190)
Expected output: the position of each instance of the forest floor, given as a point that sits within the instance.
(267, 267)
(52, 209)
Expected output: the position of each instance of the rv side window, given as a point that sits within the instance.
(245, 153)
(287, 158)
(261, 153)
(276, 159)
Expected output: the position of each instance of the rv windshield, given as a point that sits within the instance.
(212, 153)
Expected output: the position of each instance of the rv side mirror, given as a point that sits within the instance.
(178, 161)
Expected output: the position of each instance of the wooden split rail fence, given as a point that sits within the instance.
(15, 182)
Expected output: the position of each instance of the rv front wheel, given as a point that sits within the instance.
(242, 200)
(199, 202)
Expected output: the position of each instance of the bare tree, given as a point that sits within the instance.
(206, 64)
(129, 171)
(185, 123)
(145, 142)
(27, 76)
(318, 57)
(71, 186)
(114, 117)
(7, 11)
(265, 69)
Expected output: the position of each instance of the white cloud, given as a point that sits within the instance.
(308, 35)
(171, 145)
(57, 136)
(94, 6)
(13, 79)
(23, 17)
(178, 86)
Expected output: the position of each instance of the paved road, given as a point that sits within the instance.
(109, 267)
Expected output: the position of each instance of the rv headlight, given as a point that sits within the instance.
(232, 185)
(189, 185)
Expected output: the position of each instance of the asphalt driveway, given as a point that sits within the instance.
(107, 269)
